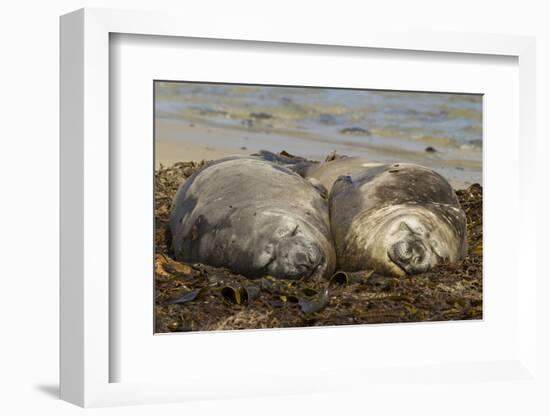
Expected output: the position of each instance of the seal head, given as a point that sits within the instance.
(293, 256)
(396, 219)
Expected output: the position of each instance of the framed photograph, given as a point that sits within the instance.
(280, 213)
(378, 185)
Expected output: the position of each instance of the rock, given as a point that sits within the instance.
(261, 116)
(355, 131)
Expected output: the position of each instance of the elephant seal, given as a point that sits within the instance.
(324, 173)
(255, 218)
(396, 219)
(328, 172)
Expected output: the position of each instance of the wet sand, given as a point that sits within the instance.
(177, 141)
(169, 153)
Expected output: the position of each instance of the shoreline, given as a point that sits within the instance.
(177, 141)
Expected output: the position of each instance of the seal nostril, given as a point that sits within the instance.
(411, 256)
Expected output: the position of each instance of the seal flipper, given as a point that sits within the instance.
(294, 163)
(283, 158)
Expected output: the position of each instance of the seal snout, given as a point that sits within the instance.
(297, 258)
(410, 255)
(307, 259)
(303, 260)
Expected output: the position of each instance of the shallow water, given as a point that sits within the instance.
(312, 122)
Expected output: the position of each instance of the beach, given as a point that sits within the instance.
(210, 143)
(215, 299)
(209, 121)
(200, 122)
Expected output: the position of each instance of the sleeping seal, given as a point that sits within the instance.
(396, 219)
(324, 173)
(255, 218)
(327, 172)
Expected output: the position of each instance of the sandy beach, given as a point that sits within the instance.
(168, 153)
(196, 123)
(177, 141)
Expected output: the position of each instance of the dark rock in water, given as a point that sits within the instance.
(261, 116)
(327, 119)
(355, 131)
(430, 149)
(247, 122)
(476, 142)
(213, 112)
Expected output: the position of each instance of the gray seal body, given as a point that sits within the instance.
(396, 219)
(255, 218)
(328, 172)
(323, 173)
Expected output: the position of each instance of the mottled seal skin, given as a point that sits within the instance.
(396, 219)
(323, 173)
(255, 218)
(328, 172)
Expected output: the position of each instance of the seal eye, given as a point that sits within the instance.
(266, 257)
(436, 249)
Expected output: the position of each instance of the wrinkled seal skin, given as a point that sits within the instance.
(396, 219)
(255, 218)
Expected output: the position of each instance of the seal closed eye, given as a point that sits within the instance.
(255, 218)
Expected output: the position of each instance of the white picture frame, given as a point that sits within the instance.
(86, 294)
